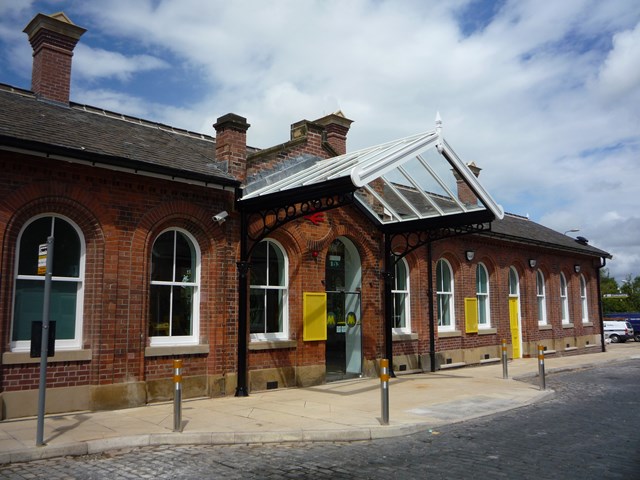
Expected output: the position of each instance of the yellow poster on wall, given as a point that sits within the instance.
(471, 314)
(314, 316)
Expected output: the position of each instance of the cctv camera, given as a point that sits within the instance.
(220, 217)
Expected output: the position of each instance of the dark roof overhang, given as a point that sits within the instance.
(333, 187)
(579, 250)
(123, 164)
(425, 224)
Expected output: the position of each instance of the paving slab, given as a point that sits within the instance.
(341, 411)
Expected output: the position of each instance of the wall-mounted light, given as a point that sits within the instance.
(469, 254)
(576, 267)
(533, 262)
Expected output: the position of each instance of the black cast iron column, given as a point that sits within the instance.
(243, 287)
(432, 322)
(389, 275)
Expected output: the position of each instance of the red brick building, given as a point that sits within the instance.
(288, 266)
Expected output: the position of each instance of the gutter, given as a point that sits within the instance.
(549, 245)
(119, 164)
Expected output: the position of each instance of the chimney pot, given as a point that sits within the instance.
(336, 127)
(231, 144)
(53, 38)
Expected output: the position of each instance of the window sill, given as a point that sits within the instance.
(587, 324)
(404, 337)
(487, 331)
(567, 325)
(545, 327)
(449, 334)
(17, 358)
(272, 344)
(171, 350)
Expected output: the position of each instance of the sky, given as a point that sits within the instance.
(543, 96)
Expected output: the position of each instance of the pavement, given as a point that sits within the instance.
(342, 411)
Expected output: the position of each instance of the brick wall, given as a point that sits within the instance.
(120, 215)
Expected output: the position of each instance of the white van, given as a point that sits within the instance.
(617, 331)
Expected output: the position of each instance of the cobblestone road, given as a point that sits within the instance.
(588, 430)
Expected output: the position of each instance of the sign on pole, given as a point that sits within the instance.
(42, 259)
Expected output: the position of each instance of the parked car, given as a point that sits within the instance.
(635, 323)
(617, 331)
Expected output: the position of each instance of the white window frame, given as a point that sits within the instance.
(541, 298)
(583, 300)
(194, 338)
(284, 334)
(564, 300)
(516, 277)
(449, 294)
(60, 345)
(483, 296)
(406, 297)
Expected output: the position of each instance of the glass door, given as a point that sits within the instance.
(344, 327)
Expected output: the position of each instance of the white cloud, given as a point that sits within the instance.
(544, 98)
(96, 63)
(620, 73)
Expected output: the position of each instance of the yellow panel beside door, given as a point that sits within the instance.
(314, 316)
(471, 314)
(515, 330)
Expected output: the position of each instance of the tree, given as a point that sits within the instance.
(629, 287)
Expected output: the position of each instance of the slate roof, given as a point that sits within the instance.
(520, 229)
(106, 138)
(515, 228)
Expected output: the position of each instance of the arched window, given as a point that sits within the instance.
(564, 300)
(444, 293)
(66, 286)
(175, 289)
(482, 294)
(514, 283)
(583, 300)
(540, 293)
(400, 292)
(268, 292)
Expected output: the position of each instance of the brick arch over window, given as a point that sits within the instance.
(48, 192)
(490, 264)
(455, 261)
(291, 242)
(94, 237)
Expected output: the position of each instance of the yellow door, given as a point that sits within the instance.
(515, 331)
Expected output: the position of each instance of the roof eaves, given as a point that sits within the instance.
(118, 163)
(587, 250)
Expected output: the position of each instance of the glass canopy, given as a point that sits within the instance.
(414, 178)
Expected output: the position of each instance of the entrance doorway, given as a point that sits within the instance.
(515, 322)
(343, 353)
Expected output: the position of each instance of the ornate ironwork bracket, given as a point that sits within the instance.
(261, 224)
(406, 242)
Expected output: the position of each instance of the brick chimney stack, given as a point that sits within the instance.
(465, 194)
(336, 126)
(53, 38)
(231, 144)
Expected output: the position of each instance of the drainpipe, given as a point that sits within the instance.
(243, 272)
(432, 331)
(388, 302)
(601, 266)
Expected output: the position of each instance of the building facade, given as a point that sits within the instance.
(165, 248)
